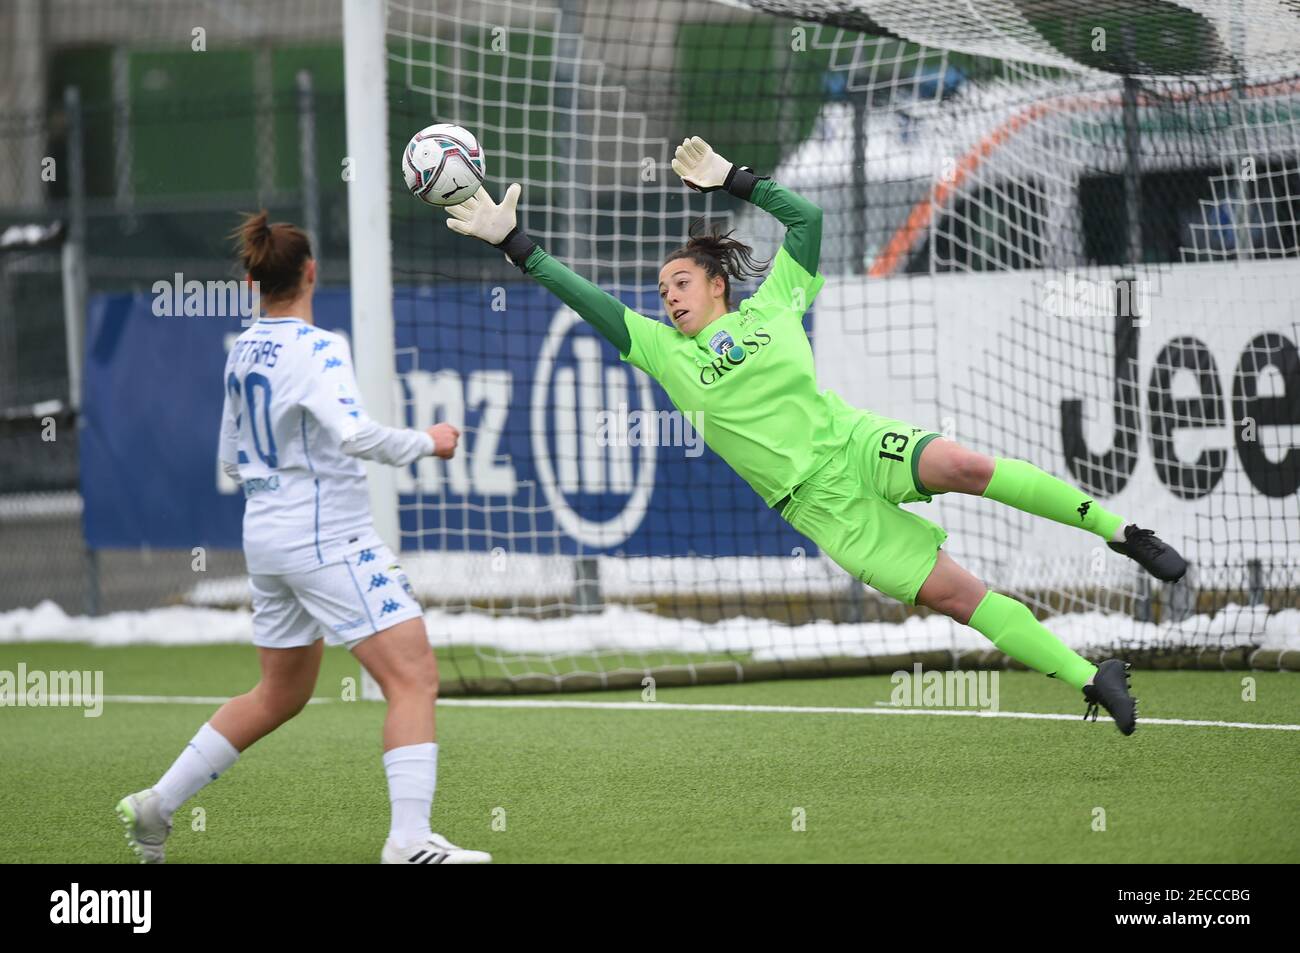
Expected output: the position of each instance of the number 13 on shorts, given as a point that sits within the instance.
(892, 446)
(890, 451)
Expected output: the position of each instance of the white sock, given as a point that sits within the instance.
(204, 759)
(412, 776)
(1118, 535)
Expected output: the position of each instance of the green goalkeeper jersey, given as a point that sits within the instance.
(747, 380)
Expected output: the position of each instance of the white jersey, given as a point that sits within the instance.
(293, 425)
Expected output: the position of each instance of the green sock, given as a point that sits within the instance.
(1010, 626)
(1024, 486)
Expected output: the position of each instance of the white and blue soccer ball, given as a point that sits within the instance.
(443, 164)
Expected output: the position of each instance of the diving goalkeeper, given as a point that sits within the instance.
(834, 472)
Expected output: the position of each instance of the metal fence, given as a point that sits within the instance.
(121, 181)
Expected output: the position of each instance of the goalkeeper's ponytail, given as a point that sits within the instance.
(719, 254)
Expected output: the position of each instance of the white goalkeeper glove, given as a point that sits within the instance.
(480, 217)
(699, 166)
(704, 170)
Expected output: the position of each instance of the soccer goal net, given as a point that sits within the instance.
(1064, 232)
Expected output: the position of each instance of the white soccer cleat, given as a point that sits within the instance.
(436, 850)
(146, 828)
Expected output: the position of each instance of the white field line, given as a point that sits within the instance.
(576, 704)
(831, 710)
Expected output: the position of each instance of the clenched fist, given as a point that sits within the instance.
(445, 438)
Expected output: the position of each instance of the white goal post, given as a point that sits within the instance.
(365, 169)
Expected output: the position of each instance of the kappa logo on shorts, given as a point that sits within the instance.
(377, 581)
(390, 605)
(365, 556)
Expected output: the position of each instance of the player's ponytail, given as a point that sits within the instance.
(273, 255)
(719, 254)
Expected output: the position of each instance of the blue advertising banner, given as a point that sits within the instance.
(564, 449)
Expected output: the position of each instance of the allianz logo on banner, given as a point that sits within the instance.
(593, 434)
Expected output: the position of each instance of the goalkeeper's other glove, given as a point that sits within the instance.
(705, 171)
(479, 217)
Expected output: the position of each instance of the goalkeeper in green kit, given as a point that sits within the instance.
(837, 474)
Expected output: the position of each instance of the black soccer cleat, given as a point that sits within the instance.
(1109, 690)
(1152, 553)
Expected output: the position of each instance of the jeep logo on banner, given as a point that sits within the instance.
(1172, 393)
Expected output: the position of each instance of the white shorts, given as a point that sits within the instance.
(344, 602)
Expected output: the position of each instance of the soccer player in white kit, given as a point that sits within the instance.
(294, 432)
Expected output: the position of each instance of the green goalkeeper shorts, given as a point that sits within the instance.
(849, 508)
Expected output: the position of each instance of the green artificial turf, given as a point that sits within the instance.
(663, 785)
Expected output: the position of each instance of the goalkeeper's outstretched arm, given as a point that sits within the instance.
(705, 171)
(480, 217)
(801, 218)
(700, 168)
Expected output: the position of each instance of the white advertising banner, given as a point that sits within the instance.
(1170, 394)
